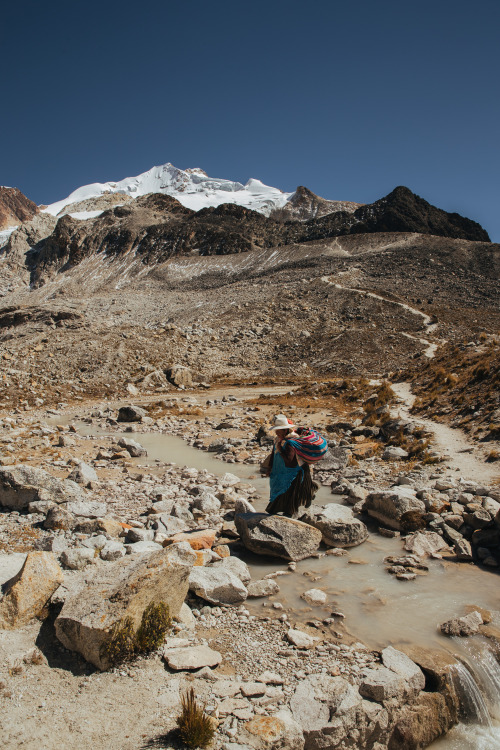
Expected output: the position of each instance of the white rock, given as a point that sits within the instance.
(186, 617)
(229, 480)
(142, 548)
(192, 657)
(217, 585)
(83, 474)
(112, 550)
(270, 678)
(314, 596)
(403, 666)
(207, 503)
(77, 558)
(234, 565)
(300, 639)
(86, 509)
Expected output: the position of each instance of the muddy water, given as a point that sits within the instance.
(378, 609)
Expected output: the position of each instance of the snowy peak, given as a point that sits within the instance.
(191, 187)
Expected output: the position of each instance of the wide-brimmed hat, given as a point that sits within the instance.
(282, 423)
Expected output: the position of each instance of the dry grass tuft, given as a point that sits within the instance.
(195, 726)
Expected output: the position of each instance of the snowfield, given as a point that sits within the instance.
(191, 187)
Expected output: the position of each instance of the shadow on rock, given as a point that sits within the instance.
(57, 656)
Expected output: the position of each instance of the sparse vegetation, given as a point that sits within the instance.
(155, 623)
(125, 641)
(462, 384)
(195, 726)
(121, 644)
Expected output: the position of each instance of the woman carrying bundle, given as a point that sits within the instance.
(287, 467)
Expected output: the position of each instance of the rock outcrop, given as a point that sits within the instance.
(21, 485)
(26, 594)
(123, 589)
(15, 207)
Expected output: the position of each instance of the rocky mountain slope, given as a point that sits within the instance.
(355, 305)
(15, 207)
(157, 227)
(92, 304)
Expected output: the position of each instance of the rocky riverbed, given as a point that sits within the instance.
(91, 509)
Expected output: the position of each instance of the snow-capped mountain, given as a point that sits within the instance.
(191, 187)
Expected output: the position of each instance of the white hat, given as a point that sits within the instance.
(282, 423)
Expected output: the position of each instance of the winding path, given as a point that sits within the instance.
(461, 454)
(431, 327)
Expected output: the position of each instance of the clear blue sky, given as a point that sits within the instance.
(350, 99)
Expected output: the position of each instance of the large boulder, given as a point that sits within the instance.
(337, 524)
(26, 594)
(123, 589)
(403, 666)
(217, 585)
(391, 506)
(131, 413)
(21, 485)
(277, 536)
(330, 712)
(417, 724)
(179, 375)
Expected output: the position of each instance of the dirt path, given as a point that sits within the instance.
(461, 454)
(431, 327)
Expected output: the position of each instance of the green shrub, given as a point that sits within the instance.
(195, 726)
(121, 644)
(125, 641)
(154, 625)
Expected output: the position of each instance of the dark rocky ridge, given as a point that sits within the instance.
(15, 207)
(156, 227)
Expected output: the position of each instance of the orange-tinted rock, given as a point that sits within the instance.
(222, 550)
(199, 539)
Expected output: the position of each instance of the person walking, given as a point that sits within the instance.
(290, 481)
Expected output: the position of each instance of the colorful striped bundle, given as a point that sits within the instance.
(309, 445)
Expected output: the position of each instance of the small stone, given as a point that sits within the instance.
(314, 596)
(193, 657)
(300, 639)
(270, 678)
(253, 689)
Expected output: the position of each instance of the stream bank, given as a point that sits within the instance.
(355, 583)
